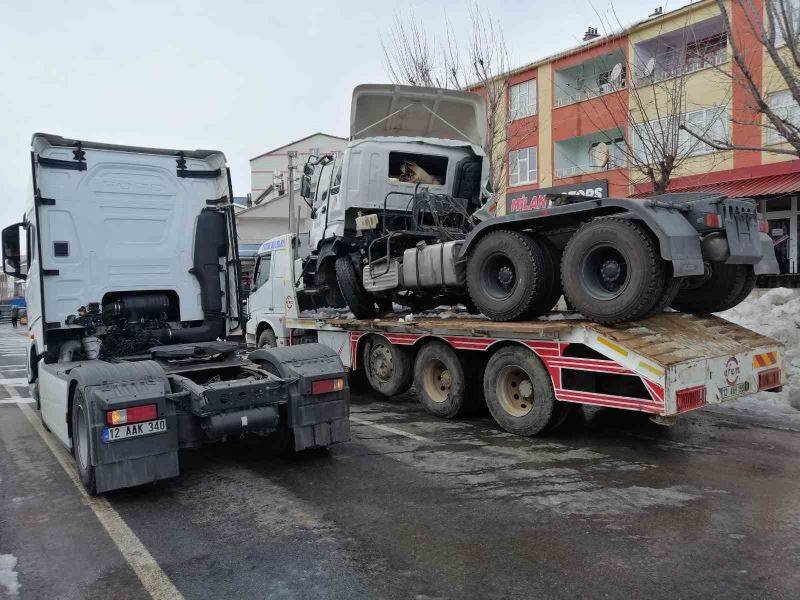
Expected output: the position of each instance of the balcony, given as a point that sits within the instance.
(682, 52)
(586, 154)
(590, 79)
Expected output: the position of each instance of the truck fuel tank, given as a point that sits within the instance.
(433, 266)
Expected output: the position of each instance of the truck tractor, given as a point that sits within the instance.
(132, 287)
(406, 216)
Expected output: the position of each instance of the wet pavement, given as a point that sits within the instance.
(416, 507)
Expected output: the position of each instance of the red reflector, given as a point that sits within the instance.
(713, 221)
(135, 414)
(763, 226)
(691, 398)
(326, 386)
(771, 378)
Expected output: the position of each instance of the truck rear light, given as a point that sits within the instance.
(135, 414)
(690, 398)
(771, 378)
(713, 221)
(326, 386)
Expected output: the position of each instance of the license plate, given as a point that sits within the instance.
(734, 390)
(123, 432)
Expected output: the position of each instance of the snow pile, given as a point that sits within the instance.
(8, 574)
(774, 313)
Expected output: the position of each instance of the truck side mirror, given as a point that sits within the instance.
(12, 257)
(305, 186)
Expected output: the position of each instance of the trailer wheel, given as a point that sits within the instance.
(389, 367)
(81, 445)
(358, 299)
(722, 287)
(612, 270)
(507, 275)
(445, 384)
(518, 391)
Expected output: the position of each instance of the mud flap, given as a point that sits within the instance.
(135, 460)
(317, 420)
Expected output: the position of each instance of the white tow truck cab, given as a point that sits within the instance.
(529, 373)
(132, 286)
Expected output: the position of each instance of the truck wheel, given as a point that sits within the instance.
(722, 287)
(518, 391)
(445, 385)
(612, 270)
(389, 367)
(358, 299)
(81, 445)
(507, 275)
(553, 289)
(266, 339)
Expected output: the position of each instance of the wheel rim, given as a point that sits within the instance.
(498, 276)
(82, 438)
(380, 362)
(515, 391)
(437, 380)
(605, 272)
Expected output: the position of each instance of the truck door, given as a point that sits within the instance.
(260, 300)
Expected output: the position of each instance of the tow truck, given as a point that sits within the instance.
(531, 374)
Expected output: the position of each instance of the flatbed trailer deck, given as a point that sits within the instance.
(666, 365)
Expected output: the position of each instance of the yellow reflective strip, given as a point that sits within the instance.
(654, 370)
(612, 345)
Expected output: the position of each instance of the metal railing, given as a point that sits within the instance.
(575, 170)
(680, 62)
(591, 92)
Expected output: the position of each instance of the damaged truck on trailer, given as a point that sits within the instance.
(132, 287)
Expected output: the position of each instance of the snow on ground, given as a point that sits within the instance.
(8, 574)
(774, 313)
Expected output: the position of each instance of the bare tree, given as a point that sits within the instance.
(415, 57)
(781, 28)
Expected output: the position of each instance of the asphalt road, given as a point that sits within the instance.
(416, 507)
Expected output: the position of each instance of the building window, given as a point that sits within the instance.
(787, 109)
(792, 8)
(522, 166)
(522, 100)
(710, 123)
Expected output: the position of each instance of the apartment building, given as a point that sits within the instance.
(580, 122)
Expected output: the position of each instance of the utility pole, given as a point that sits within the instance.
(292, 160)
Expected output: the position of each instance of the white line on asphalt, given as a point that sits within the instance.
(17, 401)
(390, 429)
(14, 381)
(154, 580)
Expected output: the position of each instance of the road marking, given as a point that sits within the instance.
(154, 580)
(17, 401)
(390, 429)
(14, 381)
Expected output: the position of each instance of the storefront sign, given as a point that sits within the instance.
(522, 201)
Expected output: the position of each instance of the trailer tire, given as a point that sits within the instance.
(358, 299)
(507, 275)
(723, 287)
(389, 368)
(518, 391)
(81, 444)
(553, 290)
(444, 382)
(612, 270)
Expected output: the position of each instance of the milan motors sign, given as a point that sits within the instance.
(523, 201)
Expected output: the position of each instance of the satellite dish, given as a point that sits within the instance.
(616, 73)
(600, 154)
(650, 66)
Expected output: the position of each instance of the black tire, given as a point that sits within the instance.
(358, 299)
(721, 288)
(444, 383)
(267, 339)
(671, 288)
(561, 414)
(385, 305)
(389, 367)
(612, 270)
(518, 391)
(81, 443)
(554, 289)
(507, 275)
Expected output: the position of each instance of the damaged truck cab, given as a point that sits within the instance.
(133, 286)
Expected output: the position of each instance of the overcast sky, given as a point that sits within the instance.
(238, 76)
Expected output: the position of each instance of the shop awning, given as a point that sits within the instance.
(770, 185)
